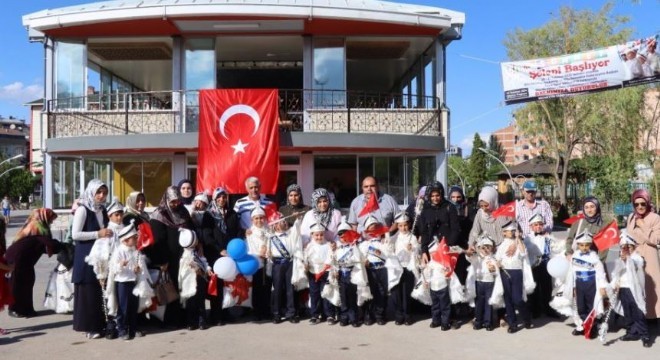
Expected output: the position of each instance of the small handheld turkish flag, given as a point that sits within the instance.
(443, 256)
(508, 209)
(145, 236)
(370, 206)
(213, 286)
(607, 236)
(589, 323)
(573, 219)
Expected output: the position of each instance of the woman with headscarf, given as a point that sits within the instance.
(322, 213)
(33, 240)
(165, 221)
(644, 226)
(90, 222)
(484, 221)
(134, 210)
(186, 194)
(591, 222)
(465, 218)
(294, 204)
(438, 220)
(6, 298)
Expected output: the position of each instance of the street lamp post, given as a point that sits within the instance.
(10, 169)
(12, 158)
(485, 151)
(459, 176)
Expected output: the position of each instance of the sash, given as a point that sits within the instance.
(372, 251)
(275, 240)
(344, 257)
(583, 263)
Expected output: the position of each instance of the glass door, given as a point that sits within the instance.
(288, 175)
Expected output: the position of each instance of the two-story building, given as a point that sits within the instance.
(361, 84)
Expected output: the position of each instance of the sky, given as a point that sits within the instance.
(474, 86)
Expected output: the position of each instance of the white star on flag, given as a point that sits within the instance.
(239, 147)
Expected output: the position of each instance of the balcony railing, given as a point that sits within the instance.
(330, 111)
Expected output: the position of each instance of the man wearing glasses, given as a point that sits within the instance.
(529, 206)
(387, 206)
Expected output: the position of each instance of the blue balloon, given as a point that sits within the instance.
(248, 265)
(237, 248)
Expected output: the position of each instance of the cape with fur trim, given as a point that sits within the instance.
(633, 269)
(142, 289)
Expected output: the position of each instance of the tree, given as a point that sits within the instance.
(580, 122)
(494, 166)
(477, 166)
(458, 171)
(16, 183)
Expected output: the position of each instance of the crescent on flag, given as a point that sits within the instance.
(615, 235)
(239, 109)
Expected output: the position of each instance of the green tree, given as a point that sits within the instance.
(477, 166)
(579, 122)
(15, 182)
(494, 166)
(457, 173)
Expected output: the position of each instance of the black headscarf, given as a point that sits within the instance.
(186, 200)
(460, 207)
(436, 186)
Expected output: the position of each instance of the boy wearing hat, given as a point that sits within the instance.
(586, 281)
(628, 281)
(257, 244)
(406, 248)
(540, 248)
(285, 255)
(99, 257)
(317, 253)
(480, 281)
(516, 277)
(129, 272)
(376, 253)
(194, 271)
(351, 274)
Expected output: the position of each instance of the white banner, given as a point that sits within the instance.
(630, 64)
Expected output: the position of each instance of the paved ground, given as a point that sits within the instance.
(50, 335)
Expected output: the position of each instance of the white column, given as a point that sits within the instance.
(177, 81)
(307, 175)
(443, 121)
(47, 194)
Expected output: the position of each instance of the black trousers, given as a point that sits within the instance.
(401, 299)
(261, 285)
(585, 292)
(634, 317)
(318, 305)
(128, 308)
(348, 295)
(375, 308)
(196, 305)
(512, 281)
(283, 295)
(483, 311)
(440, 306)
(539, 301)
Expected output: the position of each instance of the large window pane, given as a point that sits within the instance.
(70, 74)
(99, 169)
(337, 174)
(151, 177)
(421, 171)
(66, 182)
(329, 72)
(199, 74)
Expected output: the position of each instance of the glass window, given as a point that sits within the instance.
(329, 73)
(389, 172)
(199, 74)
(150, 176)
(99, 169)
(420, 172)
(66, 182)
(70, 74)
(289, 160)
(337, 174)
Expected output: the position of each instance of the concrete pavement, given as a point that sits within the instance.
(50, 335)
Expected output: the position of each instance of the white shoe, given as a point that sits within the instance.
(93, 335)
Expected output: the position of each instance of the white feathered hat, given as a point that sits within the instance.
(258, 211)
(317, 227)
(187, 238)
(127, 231)
(401, 218)
(626, 239)
(584, 238)
(370, 220)
(485, 240)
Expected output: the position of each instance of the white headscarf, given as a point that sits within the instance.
(89, 196)
(489, 195)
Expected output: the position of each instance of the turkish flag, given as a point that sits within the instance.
(573, 219)
(607, 236)
(370, 206)
(145, 236)
(589, 323)
(508, 209)
(443, 256)
(213, 286)
(238, 138)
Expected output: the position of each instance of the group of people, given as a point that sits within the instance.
(438, 252)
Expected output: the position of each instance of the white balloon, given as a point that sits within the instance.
(225, 268)
(558, 267)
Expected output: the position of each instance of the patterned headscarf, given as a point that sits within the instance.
(296, 188)
(131, 205)
(171, 217)
(218, 213)
(89, 196)
(38, 224)
(642, 194)
(321, 217)
(596, 219)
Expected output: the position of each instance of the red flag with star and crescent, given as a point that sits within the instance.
(607, 236)
(238, 138)
(508, 209)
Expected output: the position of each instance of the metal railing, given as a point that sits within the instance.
(300, 110)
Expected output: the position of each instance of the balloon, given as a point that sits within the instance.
(225, 268)
(558, 267)
(248, 265)
(237, 248)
